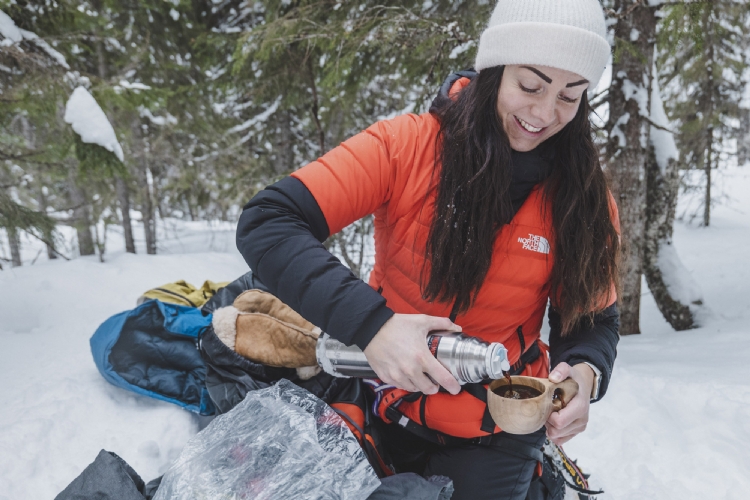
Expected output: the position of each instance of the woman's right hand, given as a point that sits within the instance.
(399, 355)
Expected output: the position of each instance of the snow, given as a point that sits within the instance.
(9, 29)
(673, 425)
(663, 141)
(682, 287)
(88, 120)
(259, 118)
(617, 131)
(461, 48)
(637, 92)
(157, 120)
(58, 57)
(58, 411)
(14, 34)
(133, 86)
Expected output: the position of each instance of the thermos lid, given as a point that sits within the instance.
(497, 360)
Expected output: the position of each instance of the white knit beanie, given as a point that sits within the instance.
(563, 34)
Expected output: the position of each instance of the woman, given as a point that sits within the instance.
(485, 208)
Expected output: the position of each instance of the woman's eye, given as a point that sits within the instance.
(528, 91)
(568, 99)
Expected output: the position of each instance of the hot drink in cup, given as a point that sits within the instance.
(521, 405)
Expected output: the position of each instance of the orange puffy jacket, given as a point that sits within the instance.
(388, 170)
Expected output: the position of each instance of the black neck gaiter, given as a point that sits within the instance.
(529, 169)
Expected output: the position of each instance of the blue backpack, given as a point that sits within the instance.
(153, 350)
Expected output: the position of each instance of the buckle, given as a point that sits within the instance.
(482, 440)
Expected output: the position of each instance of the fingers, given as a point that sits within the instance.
(434, 323)
(568, 420)
(425, 385)
(565, 424)
(565, 417)
(441, 375)
(399, 354)
(559, 436)
(426, 376)
(415, 383)
(560, 373)
(432, 367)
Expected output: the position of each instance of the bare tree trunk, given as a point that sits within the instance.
(30, 136)
(82, 220)
(743, 146)
(708, 29)
(661, 199)
(285, 161)
(81, 215)
(627, 152)
(709, 160)
(155, 194)
(708, 25)
(121, 187)
(144, 188)
(41, 200)
(147, 207)
(123, 198)
(191, 210)
(315, 107)
(15, 246)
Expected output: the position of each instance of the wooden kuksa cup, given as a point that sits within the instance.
(524, 416)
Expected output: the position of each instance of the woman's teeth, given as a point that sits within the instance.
(528, 127)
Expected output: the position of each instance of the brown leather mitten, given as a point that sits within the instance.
(265, 339)
(262, 328)
(258, 301)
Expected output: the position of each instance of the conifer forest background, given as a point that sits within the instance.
(212, 100)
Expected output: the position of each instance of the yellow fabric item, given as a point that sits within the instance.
(183, 293)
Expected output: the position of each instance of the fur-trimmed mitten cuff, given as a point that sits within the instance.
(225, 325)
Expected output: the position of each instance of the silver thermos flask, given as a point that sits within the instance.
(468, 359)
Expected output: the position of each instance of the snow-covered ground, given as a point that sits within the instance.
(675, 424)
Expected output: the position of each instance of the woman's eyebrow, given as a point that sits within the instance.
(539, 74)
(549, 80)
(575, 84)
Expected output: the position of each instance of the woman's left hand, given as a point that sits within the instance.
(563, 425)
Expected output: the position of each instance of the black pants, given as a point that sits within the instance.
(478, 471)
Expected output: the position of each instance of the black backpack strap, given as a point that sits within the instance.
(513, 447)
(528, 357)
(421, 431)
(521, 338)
(479, 391)
(501, 441)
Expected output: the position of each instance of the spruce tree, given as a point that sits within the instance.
(704, 55)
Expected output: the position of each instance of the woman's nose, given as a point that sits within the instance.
(544, 111)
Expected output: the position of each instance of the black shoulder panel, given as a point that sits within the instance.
(280, 235)
(594, 343)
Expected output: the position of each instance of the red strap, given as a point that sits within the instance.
(389, 400)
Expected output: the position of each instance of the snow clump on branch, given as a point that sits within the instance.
(88, 120)
(13, 34)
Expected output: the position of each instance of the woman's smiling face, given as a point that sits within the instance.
(536, 102)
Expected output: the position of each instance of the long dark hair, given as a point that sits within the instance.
(473, 203)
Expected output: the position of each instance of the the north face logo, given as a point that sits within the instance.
(535, 243)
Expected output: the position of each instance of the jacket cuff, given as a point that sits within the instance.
(371, 326)
(604, 375)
